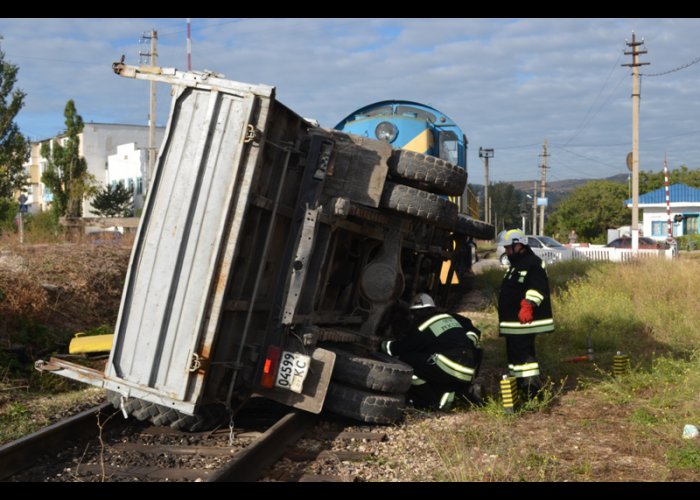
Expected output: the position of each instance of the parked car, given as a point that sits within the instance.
(546, 248)
(644, 243)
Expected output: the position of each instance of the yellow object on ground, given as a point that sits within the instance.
(81, 343)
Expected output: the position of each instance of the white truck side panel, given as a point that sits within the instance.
(179, 244)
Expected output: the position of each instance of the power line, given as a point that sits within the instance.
(537, 144)
(694, 61)
(614, 67)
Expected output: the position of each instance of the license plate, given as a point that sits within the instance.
(292, 371)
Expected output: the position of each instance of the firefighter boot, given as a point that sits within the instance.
(474, 395)
(531, 387)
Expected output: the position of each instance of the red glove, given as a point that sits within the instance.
(526, 314)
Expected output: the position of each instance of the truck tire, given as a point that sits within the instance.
(375, 370)
(474, 228)
(430, 173)
(421, 204)
(365, 406)
(208, 416)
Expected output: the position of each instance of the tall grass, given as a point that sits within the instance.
(640, 307)
(648, 304)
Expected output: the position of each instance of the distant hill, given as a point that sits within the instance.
(565, 186)
(556, 190)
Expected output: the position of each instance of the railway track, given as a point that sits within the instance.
(100, 445)
(266, 442)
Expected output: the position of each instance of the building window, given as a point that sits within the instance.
(131, 184)
(691, 224)
(659, 228)
(139, 185)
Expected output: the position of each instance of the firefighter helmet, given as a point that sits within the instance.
(422, 300)
(514, 236)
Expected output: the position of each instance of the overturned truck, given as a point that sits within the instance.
(268, 257)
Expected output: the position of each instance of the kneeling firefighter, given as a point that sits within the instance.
(445, 353)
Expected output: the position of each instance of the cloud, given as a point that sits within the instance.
(509, 83)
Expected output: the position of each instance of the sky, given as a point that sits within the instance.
(508, 83)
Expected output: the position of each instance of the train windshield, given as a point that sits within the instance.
(449, 146)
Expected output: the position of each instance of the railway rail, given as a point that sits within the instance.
(266, 442)
(100, 445)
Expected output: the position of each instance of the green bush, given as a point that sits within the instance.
(688, 242)
(8, 211)
(43, 227)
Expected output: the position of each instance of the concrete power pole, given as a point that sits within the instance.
(635, 53)
(544, 155)
(152, 56)
(486, 153)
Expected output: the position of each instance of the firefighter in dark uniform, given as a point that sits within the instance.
(524, 310)
(445, 353)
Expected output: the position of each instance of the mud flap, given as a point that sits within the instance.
(313, 394)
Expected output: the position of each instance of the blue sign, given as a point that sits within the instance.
(23, 209)
(541, 202)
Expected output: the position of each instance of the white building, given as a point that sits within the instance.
(129, 166)
(97, 142)
(684, 203)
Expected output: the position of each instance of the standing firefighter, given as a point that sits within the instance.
(524, 310)
(445, 354)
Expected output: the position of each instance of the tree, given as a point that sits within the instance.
(14, 147)
(113, 201)
(591, 209)
(66, 172)
(506, 204)
(650, 181)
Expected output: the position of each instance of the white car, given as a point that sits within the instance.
(546, 248)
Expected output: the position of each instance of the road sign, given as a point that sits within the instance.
(23, 199)
(23, 209)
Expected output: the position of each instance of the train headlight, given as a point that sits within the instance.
(386, 131)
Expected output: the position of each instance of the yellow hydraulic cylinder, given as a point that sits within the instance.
(509, 394)
(621, 364)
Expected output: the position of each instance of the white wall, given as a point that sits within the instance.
(100, 140)
(129, 164)
(658, 214)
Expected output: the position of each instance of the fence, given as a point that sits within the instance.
(614, 254)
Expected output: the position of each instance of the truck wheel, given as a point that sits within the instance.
(421, 204)
(207, 417)
(365, 406)
(375, 370)
(474, 228)
(438, 176)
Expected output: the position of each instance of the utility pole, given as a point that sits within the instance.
(534, 207)
(544, 155)
(152, 57)
(189, 46)
(486, 153)
(635, 53)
